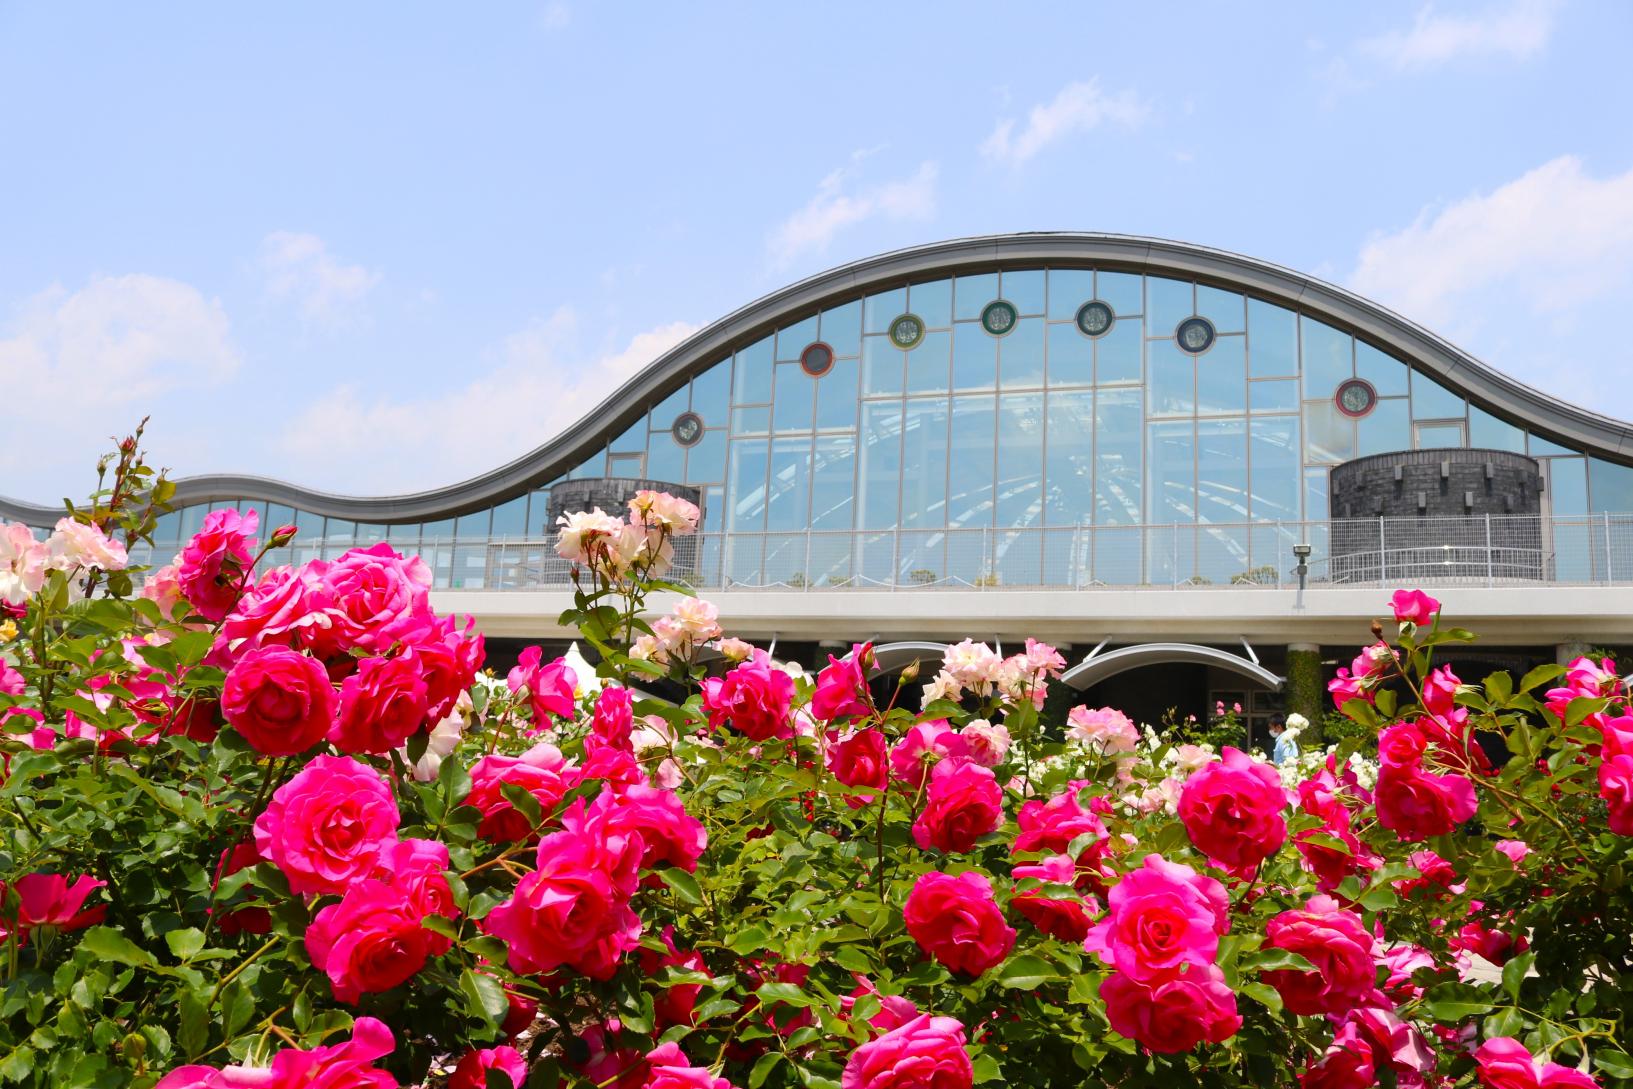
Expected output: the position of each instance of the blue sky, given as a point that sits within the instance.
(379, 247)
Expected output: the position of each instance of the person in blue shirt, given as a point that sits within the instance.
(1286, 748)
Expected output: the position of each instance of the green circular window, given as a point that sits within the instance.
(998, 317)
(906, 331)
(1095, 318)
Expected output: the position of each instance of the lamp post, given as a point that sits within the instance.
(1301, 569)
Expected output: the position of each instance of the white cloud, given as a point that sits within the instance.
(839, 204)
(298, 268)
(538, 389)
(1519, 29)
(1078, 107)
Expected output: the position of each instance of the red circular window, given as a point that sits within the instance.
(817, 359)
(1355, 397)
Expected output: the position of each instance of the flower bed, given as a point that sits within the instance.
(277, 828)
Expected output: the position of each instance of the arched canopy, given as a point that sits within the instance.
(890, 657)
(1097, 667)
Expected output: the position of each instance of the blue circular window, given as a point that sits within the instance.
(906, 331)
(998, 317)
(1095, 318)
(1194, 335)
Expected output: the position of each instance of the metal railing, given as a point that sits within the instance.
(1479, 550)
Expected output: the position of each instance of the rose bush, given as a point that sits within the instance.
(277, 828)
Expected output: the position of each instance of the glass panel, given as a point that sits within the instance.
(1328, 358)
(1439, 436)
(1124, 291)
(792, 340)
(881, 368)
(972, 293)
(932, 302)
(1024, 289)
(538, 512)
(1489, 433)
(975, 357)
(510, 518)
(1221, 377)
(789, 509)
(595, 465)
(1171, 472)
(1117, 354)
(664, 415)
(753, 374)
(706, 462)
(1170, 384)
(709, 394)
(841, 328)
(748, 477)
(632, 440)
(1431, 401)
(1167, 303)
(1117, 557)
(276, 515)
(927, 364)
(1069, 289)
(1118, 475)
(1021, 354)
(878, 311)
(192, 520)
(1277, 396)
(1071, 356)
(1221, 486)
(1221, 556)
(1069, 463)
(1386, 428)
(405, 536)
(1272, 340)
(1386, 373)
(1567, 485)
(1020, 454)
(880, 474)
(836, 396)
(796, 399)
(1226, 309)
(469, 527)
(1541, 447)
(750, 421)
(1274, 456)
(833, 484)
(1612, 486)
(667, 460)
(1018, 558)
(1329, 435)
(924, 464)
(440, 531)
(970, 466)
(631, 466)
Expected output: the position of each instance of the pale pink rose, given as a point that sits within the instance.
(988, 744)
(76, 544)
(699, 619)
(974, 665)
(163, 588)
(585, 531)
(734, 649)
(1104, 728)
(1190, 758)
(22, 563)
(1514, 849)
(675, 515)
(943, 686)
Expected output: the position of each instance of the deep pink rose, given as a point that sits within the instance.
(1052, 825)
(1402, 745)
(549, 687)
(754, 699)
(1417, 804)
(369, 942)
(894, 1010)
(1338, 945)
(614, 716)
(328, 826)
(1504, 1063)
(281, 701)
(449, 658)
(472, 1071)
(1345, 687)
(1346, 1064)
(1159, 919)
(605, 761)
(1172, 1013)
(332, 1066)
(1414, 607)
(668, 1068)
(670, 835)
(1616, 788)
(1059, 918)
(957, 921)
(382, 705)
(925, 1053)
(962, 805)
(1232, 810)
(921, 748)
(376, 598)
(282, 606)
(541, 771)
(574, 908)
(677, 1004)
(842, 686)
(418, 868)
(860, 760)
(49, 899)
(214, 564)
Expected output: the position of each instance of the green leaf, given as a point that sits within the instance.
(524, 802)
(1618, 1064)
(683, 885)
(185, 944)
(1025, 972)
(1264, 994)
(106, 943)
(1514, 973)
(786, 993)
(747, 940)
(1455, 1002)
(1276, 960)
(484, 996)
(194, 1029)
(762, 1069)
(1541, 675)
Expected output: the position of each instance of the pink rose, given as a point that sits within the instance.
(1346, 1064)
(281, 701)
(986, 742)
(1059, 918)
(1401, 745)
(925, 1053)
(668, 1068)
(473, 1070)
(1338, 946)
(1416, 804)
(541, 771)
(449, 660)
(1414, 607)
(1160, 919)
(957, 921)
(328, 826)
(1504, 1063)
(894, 1010)
(921, 747)
(842, 686)
(860, 760)
(670, 835)
(278, 610)
(1172, 1013)
(962, 805)
(214, 564)
(754, 699)
(332, 1066)
(1232, 810)
(614, 717)
(418, 868)
(549, 687)
(1052, 825)
(48, 899)
(1616, 788)
(382, 705)
(369, 942)
(1105, 728)
(376, 596)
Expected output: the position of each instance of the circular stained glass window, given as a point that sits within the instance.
(906, 331)
(817, 359)
(687, 429)
(1355, 397)
(1195, 335)
(998, 317)
(1094, 318)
